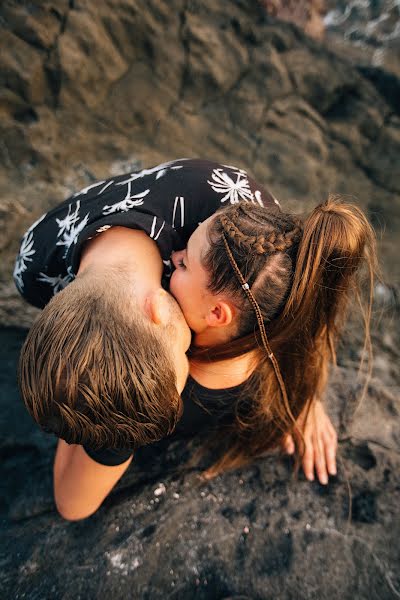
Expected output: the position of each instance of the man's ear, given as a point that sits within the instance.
(156, 307)
(221, 314)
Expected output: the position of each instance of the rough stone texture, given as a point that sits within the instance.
(307, 14)
(366, 32)
(91, 89)
(254, 533)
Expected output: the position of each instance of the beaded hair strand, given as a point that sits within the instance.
(260, 321)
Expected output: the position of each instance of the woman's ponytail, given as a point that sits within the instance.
(337, 241)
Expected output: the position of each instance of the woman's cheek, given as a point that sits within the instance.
(174, 284)
(181, 287)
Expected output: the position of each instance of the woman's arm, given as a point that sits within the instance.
(80, 483)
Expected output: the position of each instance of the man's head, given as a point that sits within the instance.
(103, 369)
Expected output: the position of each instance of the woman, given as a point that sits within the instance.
(266, 294)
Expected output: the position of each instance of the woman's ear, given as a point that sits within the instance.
(156, 306)
(221, 314)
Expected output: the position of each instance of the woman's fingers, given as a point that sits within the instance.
(308, 460)
(314, 458)
(325, 447)
(320, 445)
(320, 463)
(288, 444)
(330, 452)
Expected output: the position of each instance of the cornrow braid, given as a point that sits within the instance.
(261, 244)
(260, 321)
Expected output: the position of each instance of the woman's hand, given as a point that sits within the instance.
(321, 443)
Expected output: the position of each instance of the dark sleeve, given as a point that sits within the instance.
(109, 458)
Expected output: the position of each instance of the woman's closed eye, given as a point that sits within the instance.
(181, 264)
(178, 259)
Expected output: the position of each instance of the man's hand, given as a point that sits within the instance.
(321, 443)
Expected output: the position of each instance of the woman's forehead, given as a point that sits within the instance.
(198, 241)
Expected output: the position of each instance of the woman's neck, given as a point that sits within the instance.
(223, 373)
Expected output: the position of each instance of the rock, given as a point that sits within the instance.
(38, 24)
(307, 14)
(22, 69)
(250, 533)
(93, 89)
(86, 88)
(365, 32)
(87, 57)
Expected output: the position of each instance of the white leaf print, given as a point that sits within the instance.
(257, 195)
(159, 169)
(71, 228)
(153, 228)
(181, 201)
(105, 187)
(32, 227)
(103, 228)
(25, 255)
(71, 218)
(167, 268)
(160, 230)
(128, 202)
(58, 283)
(234, 190)
(88, 188)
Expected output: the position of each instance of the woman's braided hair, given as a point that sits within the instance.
(263, 244)
(275, 241)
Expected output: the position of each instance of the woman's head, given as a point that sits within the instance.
(97, 369)
(263, 242)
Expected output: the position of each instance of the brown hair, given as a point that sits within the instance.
(93, 371)
(301, 274)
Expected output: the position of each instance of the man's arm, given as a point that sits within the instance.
(80, 483)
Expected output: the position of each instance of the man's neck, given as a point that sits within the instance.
(130, 247)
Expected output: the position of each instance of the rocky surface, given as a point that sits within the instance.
(90, 89)
(255, 533)
(366, 32)
(307, 14)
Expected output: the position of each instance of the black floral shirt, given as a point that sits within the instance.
(168, 202)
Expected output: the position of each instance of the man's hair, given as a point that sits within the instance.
(94, 371)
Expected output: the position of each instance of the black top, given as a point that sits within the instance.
(168, 202)
(204, 408)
